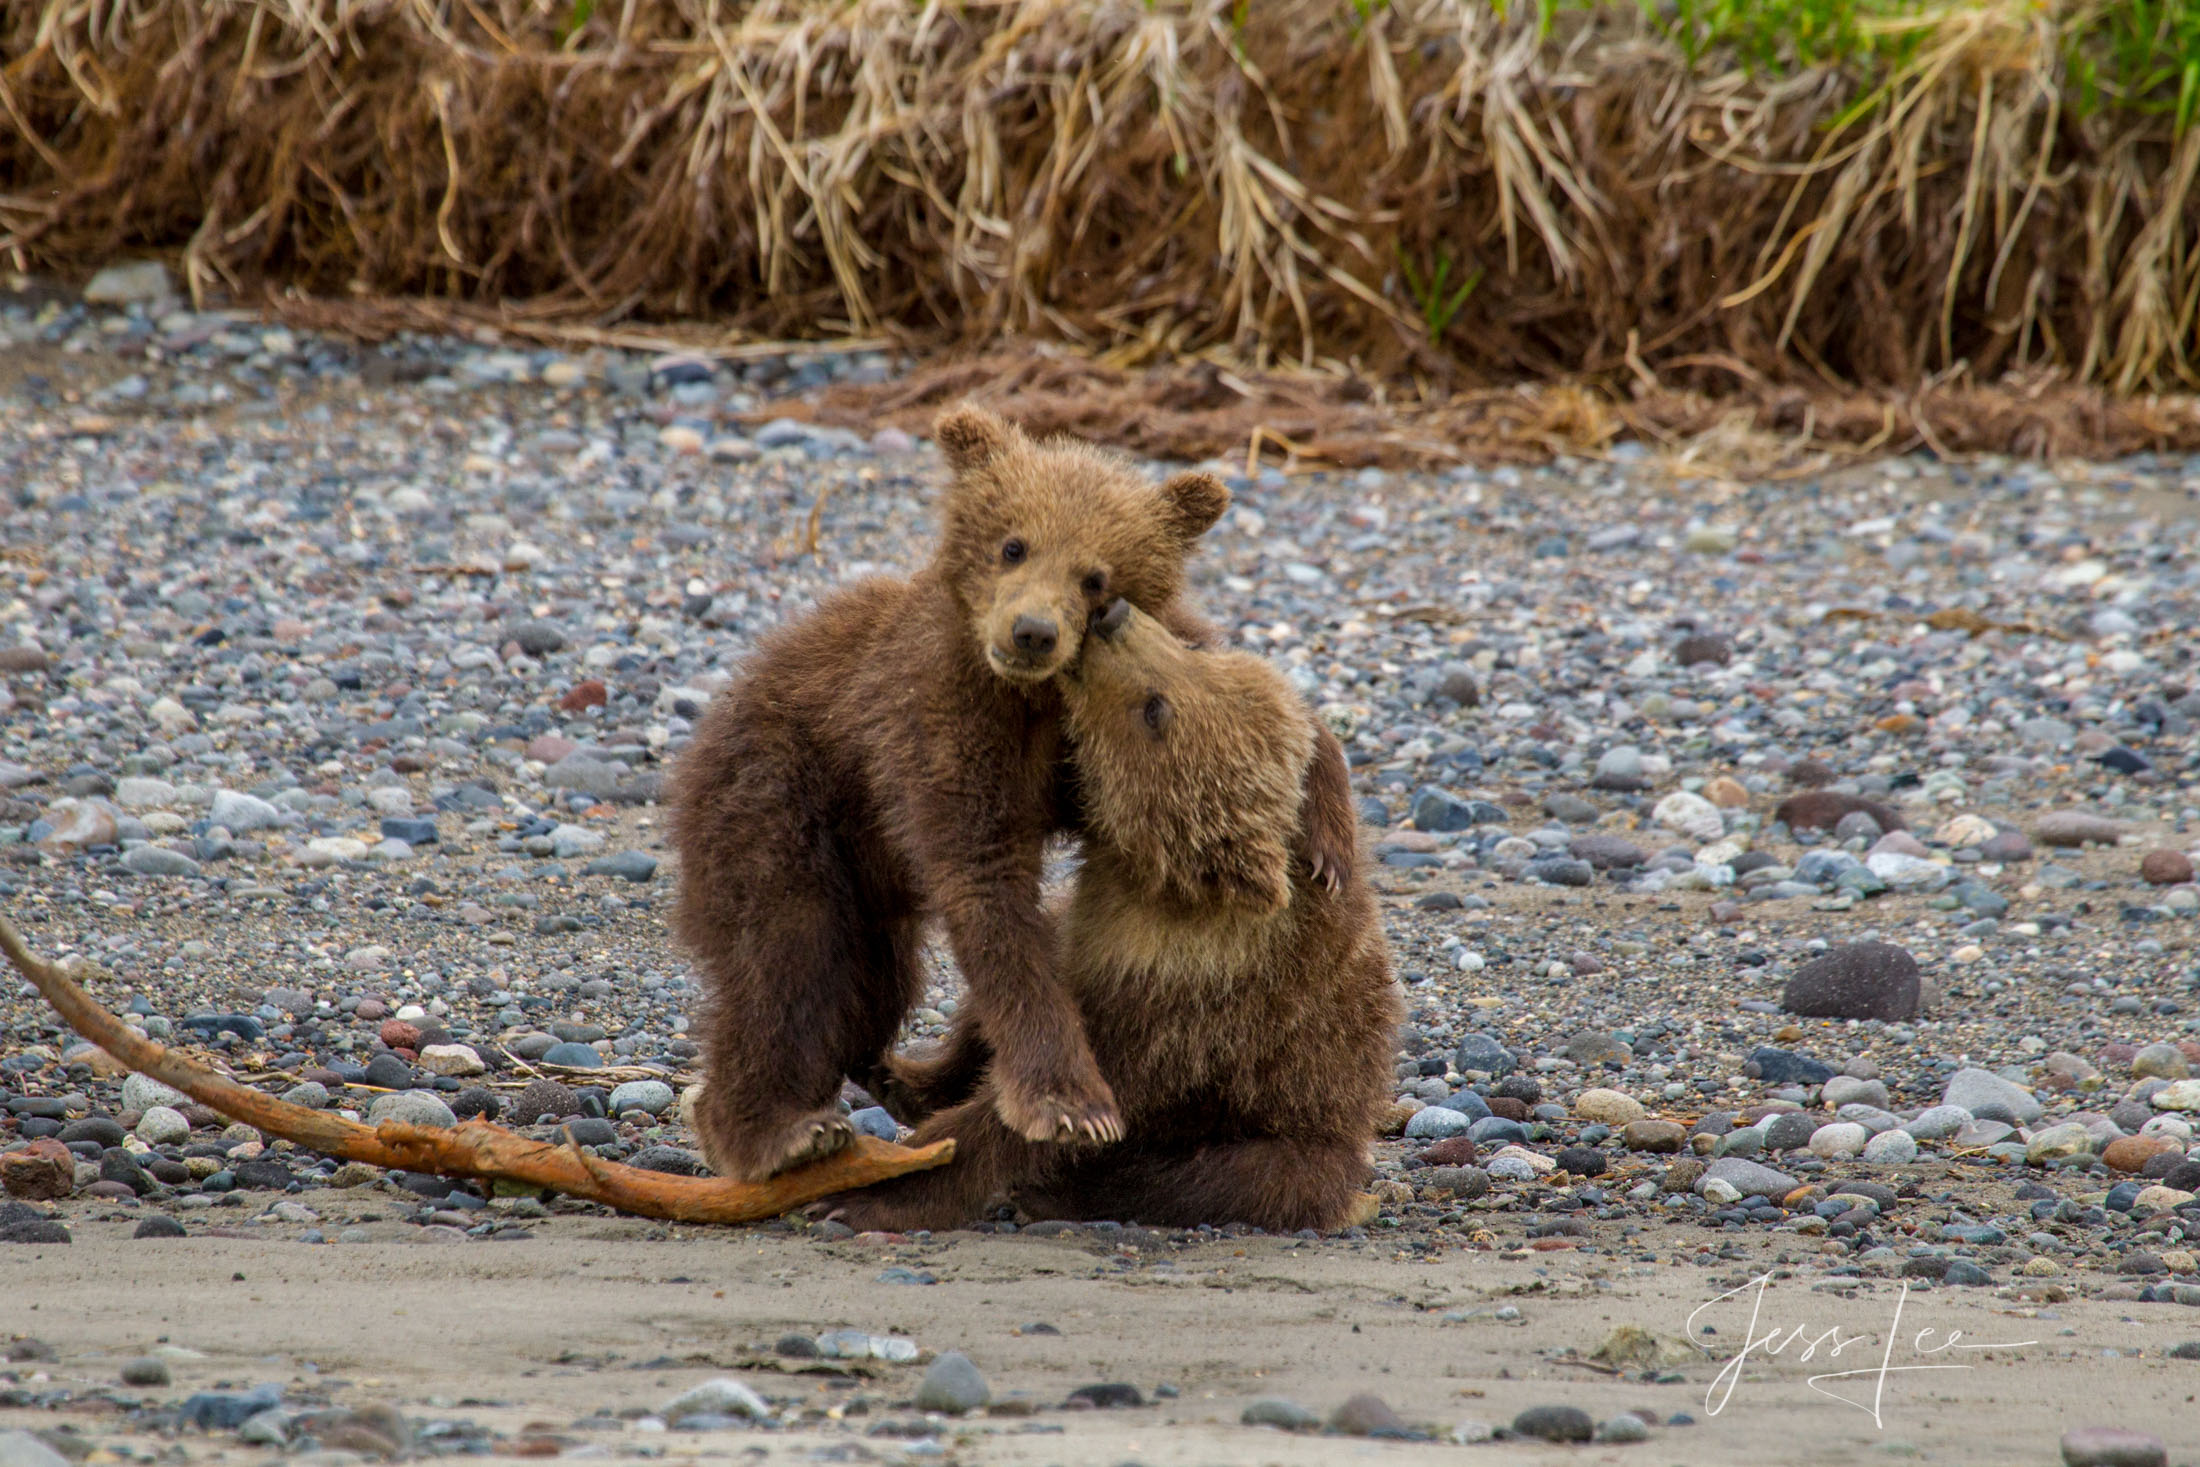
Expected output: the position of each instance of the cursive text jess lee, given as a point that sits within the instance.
(1766, 1341)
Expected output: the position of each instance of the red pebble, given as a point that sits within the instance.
(1451, 1151)
(398, 1034)
(2166, 867)
(590, 694)
(41, 1172)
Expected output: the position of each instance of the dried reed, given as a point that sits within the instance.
(1425, 188)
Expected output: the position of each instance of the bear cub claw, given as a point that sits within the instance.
(866, 1215)
(818, 1141)
(1056, 1113)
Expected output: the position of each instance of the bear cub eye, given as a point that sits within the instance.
(1159, 715)
(1096, 583)
(1013, 552)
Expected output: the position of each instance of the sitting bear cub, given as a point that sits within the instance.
(1241, 1009)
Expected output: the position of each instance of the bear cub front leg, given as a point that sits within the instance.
(1048, 1086)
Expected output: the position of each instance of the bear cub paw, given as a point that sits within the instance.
(757, 1158)
(1060, 1110)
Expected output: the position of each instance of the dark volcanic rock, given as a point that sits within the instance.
(543, 1100)
(1555, 1423)
(476, 1100)
(1703, 647)
(1583, 1161)
(2185, 1177)
(1607, 852)
(264, 1173)
(1784, 1067)
(1860, 980)
(1481, 1052)
(22, 1223)
(671, 1160)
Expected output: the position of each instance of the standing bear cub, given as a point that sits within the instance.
(1241, 1009)
(898, 754)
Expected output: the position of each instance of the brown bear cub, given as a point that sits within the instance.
(1241, 1009)
(898, 754)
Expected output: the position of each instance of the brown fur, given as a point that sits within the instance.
(896, 755)
(1241, 1009)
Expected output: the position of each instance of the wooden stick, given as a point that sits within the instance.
(475, 1148)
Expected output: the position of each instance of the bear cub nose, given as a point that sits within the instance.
(1034, 636)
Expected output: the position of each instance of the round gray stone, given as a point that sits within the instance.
(412, 1108)
(1987, 1096)
(573, 1056)
(653, 1096)
(158, 861)
(1434, 1123)
(953, 1385)
(146, 1371)
(1278, 1412)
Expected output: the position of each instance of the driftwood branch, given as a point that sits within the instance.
(474, 1149)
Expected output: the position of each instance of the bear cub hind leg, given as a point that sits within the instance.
(914, 1086)
(991, 1161)
(775, 1053)
(1277, 1183)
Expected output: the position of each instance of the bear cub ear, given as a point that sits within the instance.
(971, 437)
(1195, 502)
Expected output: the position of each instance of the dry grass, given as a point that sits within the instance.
(1293, 420)
(1426, 193)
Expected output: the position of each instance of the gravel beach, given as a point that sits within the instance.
(1790, 881)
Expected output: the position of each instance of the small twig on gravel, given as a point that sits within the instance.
(380, 317)
(523, 1066)
(475, 1148)
(597, 1074)
(1596, 1365)
(1949, 619)
(817, 515)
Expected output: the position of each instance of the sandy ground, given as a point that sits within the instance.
(593, 1316)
